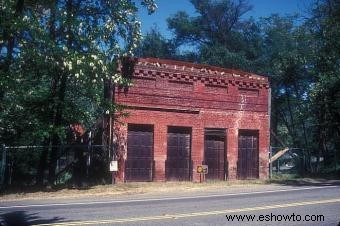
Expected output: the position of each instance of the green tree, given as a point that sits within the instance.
(324, 26)
(219, 34)
(155, 45)
(284, 60)
(56, 58)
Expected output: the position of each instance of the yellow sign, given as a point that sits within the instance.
(202, 169)
(199, 169)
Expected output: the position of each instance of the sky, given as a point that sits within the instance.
(261, 8)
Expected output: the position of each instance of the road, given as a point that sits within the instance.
(313, 205)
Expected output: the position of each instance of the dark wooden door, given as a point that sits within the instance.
(178, 162)
(248, 155)
(139, 163)
(214, 154)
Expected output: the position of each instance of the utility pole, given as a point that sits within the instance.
(108, 120)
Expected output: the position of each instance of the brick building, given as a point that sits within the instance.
(182, 115)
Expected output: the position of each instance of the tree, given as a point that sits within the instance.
(324, 26)
(155, 45)
(214, 24)
(60, 54)
(284, 60)
(219, 34)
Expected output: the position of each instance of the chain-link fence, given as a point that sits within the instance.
(301, 162)
(292, 161)
(76, 164)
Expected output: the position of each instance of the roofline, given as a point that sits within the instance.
(197, 66)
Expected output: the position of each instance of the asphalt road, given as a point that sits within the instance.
(286, 206)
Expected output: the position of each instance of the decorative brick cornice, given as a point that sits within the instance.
(150, 68)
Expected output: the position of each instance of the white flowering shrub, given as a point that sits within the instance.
(56, 56)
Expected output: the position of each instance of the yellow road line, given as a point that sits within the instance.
(197, 214)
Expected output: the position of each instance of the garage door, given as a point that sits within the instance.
(248, 154)
(139, 163)
(178, 162)
(214, 153)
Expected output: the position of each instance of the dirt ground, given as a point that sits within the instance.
(159, 188)
(126, 189)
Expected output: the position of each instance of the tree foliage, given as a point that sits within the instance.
(56, 58)
(155, 45)
(61, 52)
(325, 93)
(219, 32)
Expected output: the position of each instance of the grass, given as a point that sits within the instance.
(284, 176)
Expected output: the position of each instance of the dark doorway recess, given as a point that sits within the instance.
(215, 153)
(248, 154)
(139, 163)
(178, 162)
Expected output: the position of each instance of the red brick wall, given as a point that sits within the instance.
(169, 93)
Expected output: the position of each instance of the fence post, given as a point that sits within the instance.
(3, 164)
(303, 162)
(88, 157)
(335, 161)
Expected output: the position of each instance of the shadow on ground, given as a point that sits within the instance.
(21, 218)
(35, 189)
(306, 182)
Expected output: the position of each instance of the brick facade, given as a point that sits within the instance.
(171, 93)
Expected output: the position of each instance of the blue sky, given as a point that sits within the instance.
(261, 8)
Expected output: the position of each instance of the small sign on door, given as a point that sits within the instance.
(113, 166)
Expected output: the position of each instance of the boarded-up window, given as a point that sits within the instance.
(178, 162)
(248, 154)
(139, 163)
